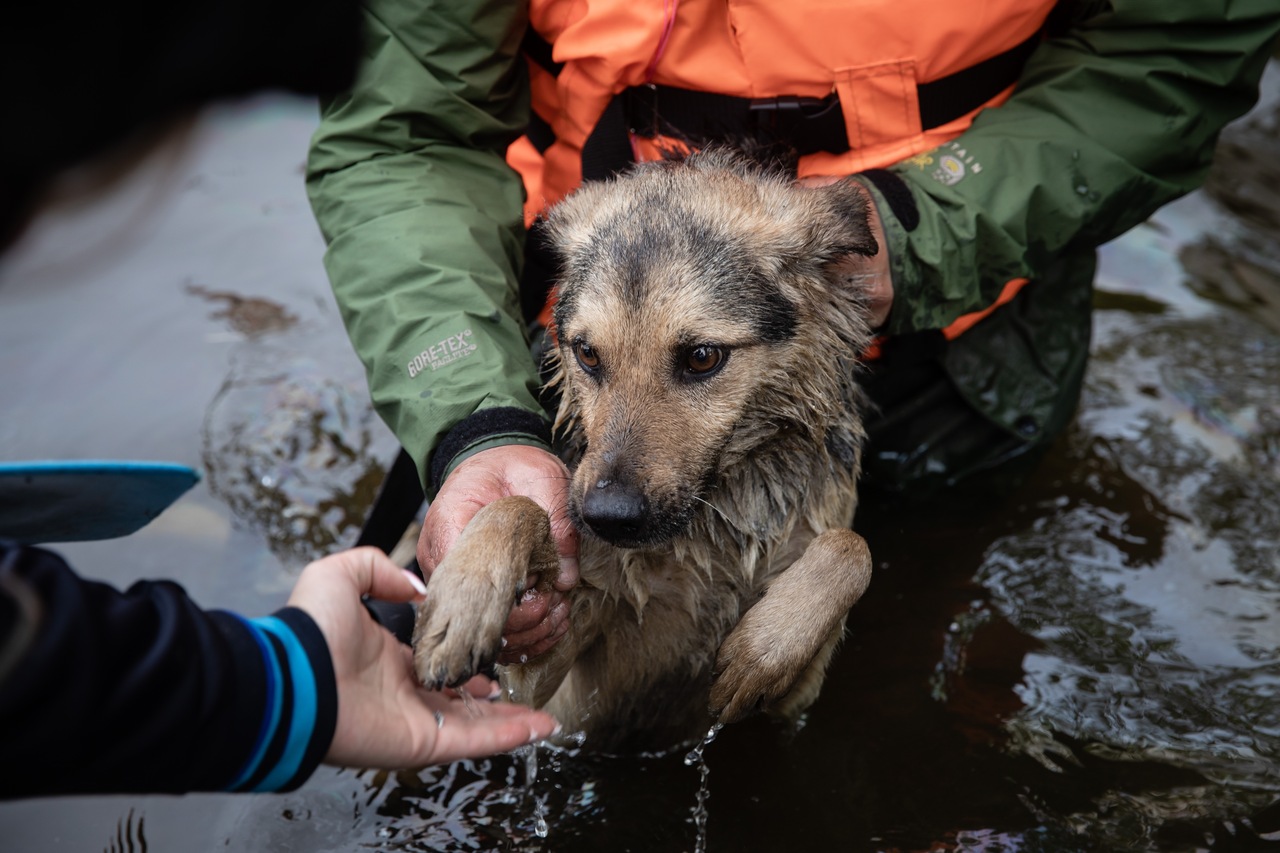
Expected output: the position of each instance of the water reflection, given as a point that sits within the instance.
(249, 315)
(1153, 586)
(293, 448)
(130, 836)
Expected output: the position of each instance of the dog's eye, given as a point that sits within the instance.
(704, 360)
(588, 358)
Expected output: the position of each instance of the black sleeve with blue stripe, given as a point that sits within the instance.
(142, 691)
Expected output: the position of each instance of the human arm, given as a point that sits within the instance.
(424, 225)
(423, 218)
(1115, 115)
(142, 691)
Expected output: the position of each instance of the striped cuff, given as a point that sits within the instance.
(300, 703)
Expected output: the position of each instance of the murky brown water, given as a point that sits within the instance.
(1086, 660)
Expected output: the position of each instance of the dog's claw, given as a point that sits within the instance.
(449, 652)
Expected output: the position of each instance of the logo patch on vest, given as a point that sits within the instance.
(947, 164)
(447, 351)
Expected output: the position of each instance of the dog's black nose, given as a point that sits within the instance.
(616, 512)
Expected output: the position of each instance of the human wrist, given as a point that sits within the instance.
(483, 430)
(300, 702)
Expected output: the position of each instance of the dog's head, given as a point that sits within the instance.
(699, 313)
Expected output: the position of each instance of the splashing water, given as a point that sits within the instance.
(530, 755)
(699, 813)
(540, 827)
(530, 764)
(573, 740)
(695, 754)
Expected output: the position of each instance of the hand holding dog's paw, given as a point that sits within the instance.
(539, 618)
(458, 632)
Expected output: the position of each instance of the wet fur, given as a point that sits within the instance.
(733, 595)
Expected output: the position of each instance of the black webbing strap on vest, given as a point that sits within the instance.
(805, 124)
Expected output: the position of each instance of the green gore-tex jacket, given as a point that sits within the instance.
(1116, 114)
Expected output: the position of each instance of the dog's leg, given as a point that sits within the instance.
(792, 631)
(536, 682)
(807, 687)
(458, 631)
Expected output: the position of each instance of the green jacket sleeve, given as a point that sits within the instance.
(423, 219)
(1115, 115)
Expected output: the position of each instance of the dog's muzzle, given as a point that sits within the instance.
(616, 512)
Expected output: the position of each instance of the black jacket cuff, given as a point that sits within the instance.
(486, 423)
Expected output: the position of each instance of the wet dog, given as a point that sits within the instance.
(707, 350)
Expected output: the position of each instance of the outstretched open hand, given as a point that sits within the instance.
(386, 719)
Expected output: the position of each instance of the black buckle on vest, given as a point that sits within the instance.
(808, 124)
(803, 123)
(810, 107)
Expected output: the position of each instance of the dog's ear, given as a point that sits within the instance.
(845, 227)
(844, 243)
(566, 230)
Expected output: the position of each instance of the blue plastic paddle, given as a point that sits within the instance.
(81, 500)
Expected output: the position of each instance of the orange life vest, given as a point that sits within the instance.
(873, 53)
(876, 56)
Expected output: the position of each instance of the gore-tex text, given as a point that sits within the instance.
(445, 352)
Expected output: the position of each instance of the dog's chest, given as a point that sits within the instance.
(645, 674)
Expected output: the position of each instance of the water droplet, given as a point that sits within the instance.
(695, 754)
(530, 764)
(700, 813)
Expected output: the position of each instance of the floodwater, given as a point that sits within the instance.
(1085, 659)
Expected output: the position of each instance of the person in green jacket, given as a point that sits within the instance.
(1116, 113)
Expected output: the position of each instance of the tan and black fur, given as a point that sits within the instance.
(717, 563)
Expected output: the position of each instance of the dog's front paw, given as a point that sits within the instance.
(458, 632)
(755, 667)
(777, 656)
